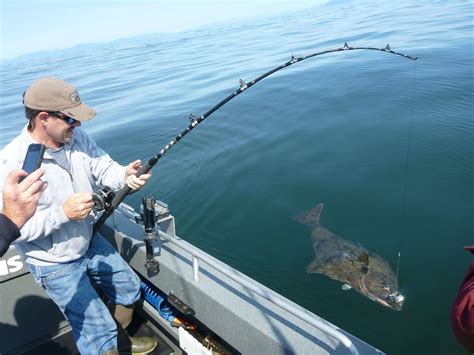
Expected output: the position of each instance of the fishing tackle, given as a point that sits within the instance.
(195, 121)
(102, 198)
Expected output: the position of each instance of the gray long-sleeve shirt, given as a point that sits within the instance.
(49, 237)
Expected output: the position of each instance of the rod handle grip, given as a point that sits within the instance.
(144, 169)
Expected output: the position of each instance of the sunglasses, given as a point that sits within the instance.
(68, 119)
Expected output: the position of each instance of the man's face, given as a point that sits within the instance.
(59, 129)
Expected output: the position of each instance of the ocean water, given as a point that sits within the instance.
(387, 145)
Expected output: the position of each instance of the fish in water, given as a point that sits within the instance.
(351, 264)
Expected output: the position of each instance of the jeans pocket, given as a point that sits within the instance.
(46, 274)
(59, 271)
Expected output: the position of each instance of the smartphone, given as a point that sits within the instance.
(33, 158)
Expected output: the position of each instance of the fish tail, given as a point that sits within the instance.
(310, 218)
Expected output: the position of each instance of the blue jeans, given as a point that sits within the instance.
(71, 287)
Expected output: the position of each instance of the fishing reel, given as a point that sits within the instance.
(102, 198)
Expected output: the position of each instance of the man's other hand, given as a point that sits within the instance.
(78, 206)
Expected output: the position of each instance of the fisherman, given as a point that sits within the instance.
(57, 243)
(19, 204)
(462, 310)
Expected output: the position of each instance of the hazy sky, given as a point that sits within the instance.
(29, 26)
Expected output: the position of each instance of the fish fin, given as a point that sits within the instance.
(363, 258)
(346, 287)
(310, 218)
(314, 267)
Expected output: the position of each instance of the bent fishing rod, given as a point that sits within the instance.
(110, 201)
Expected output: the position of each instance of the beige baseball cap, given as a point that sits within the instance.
(53, 94)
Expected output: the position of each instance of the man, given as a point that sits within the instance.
(19, 204)
(462, 310)
(57, 242)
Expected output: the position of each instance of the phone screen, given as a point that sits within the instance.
(34, 157)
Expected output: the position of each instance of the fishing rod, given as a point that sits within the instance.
(110, 201)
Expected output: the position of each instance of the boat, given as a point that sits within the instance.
(215, 309)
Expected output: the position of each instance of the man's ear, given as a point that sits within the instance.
(42, 117)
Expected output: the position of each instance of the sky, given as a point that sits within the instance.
(29, 26)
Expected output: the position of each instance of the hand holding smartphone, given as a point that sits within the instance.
(33, 158)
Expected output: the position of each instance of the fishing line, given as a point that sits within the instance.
(407, 161)
(398, 268)
(195, 121)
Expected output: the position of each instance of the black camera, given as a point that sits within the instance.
(103, 198)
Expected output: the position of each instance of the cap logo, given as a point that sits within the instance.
(74, 98)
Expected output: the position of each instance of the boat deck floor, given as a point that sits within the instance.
(64, 342)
